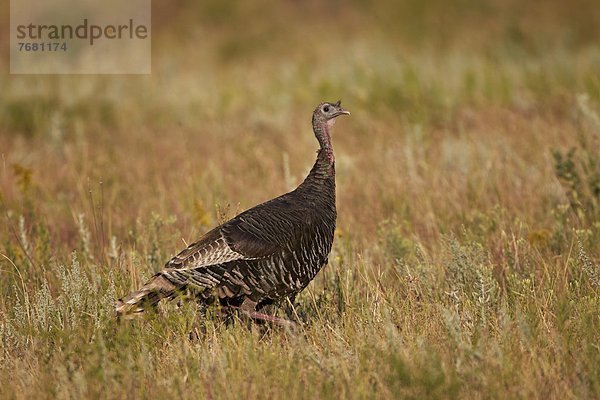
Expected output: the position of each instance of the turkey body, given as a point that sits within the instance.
(268, 252)
(264, 255)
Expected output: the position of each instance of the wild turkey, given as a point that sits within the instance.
(264, 255)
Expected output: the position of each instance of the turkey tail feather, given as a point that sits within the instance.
(157, 288)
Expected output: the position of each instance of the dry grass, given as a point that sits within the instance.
(466, 263)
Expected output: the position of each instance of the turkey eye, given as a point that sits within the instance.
(326, 109)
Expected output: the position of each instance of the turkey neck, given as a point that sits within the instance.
(319, 185)
(322, 132)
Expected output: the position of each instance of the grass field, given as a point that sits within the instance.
(467, 255)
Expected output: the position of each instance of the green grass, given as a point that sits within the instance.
(467, 255)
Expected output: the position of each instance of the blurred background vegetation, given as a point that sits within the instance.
(467, 253)
(420, 59)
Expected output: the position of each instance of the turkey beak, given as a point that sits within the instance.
(342, 112)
